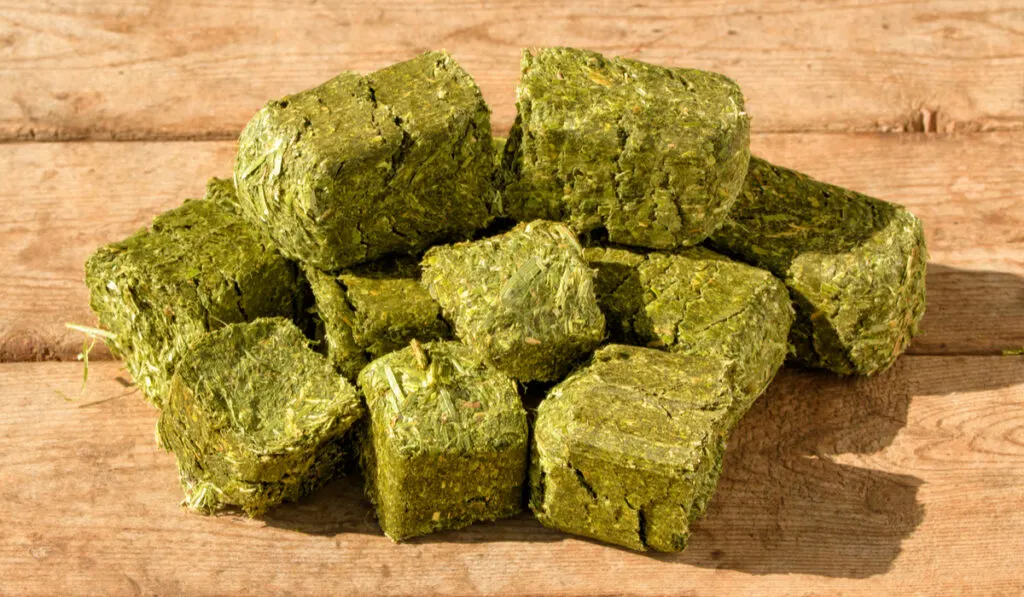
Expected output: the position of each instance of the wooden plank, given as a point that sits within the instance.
(907, 483)
(199, 69)
(69, 198)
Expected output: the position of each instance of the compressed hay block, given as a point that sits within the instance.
(361, 167)
(255, 417)
(197, 268)
(222, 192)
(628, 449)
(654, 155)
(854, 265)
(373, 309)
(447, 440)
(524, 300)
(699, 302)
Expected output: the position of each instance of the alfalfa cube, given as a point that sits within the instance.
(524, 300)
(699, 302)
(854, 265)
(447, 440)
(255, 417)
(195, 269)
(373, 309)
(653, 155)
(365, 166)
(628, 449)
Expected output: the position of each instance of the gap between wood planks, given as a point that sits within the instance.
(923, 121)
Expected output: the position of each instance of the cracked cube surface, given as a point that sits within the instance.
(854, 265)
(447, 440)
(195, 269)
(255, 417)
(655, 155)
(524, 300)
(373, 309)
(364, 166)
(699, 302)
(628, 449)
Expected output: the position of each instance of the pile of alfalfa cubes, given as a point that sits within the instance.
(382, 282)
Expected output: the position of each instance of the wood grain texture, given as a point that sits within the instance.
(909, 483)
(157, 69)
(67, 199)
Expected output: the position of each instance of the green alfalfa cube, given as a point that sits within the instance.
(652, 154)
(698, 302)
(854, 265)
(628, 449)
(222, 192)
(447, 441)
(195, 269)
(365, 166)
(524, 300)
(373, 309)
(255, 417)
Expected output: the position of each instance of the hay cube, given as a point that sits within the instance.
(654, 155)
(447, 441)
(255, 417)
(222, 192)
(629, 449)
(699, 302)
(524, 300)
(854, 265)
(365, 166)
(373, 309)
(197, 268)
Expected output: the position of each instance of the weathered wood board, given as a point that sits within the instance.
(120, 69)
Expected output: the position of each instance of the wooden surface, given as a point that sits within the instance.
(910, 483)
(191, 69)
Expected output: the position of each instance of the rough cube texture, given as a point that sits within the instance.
(373, 309)
(524, 300)
(654, 155)
(854, 265)
(197, 268)
(360, 167)
(222, 192)
(699, 302)
(447, 440)
(629, 449)
(255, 417)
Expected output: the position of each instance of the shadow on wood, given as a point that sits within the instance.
(971, 312)
(783, 506)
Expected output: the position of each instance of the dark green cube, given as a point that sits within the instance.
(447, 440)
